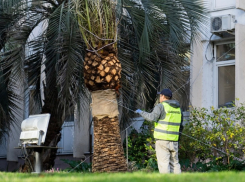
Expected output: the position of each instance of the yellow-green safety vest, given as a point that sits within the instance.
(168, 128)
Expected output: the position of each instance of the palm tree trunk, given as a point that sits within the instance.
(53, 134)
(102, 73)
(108, 150)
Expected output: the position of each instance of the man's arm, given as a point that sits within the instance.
(154, 115)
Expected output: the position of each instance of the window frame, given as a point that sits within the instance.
(216, 67)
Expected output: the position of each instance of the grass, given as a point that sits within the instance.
(124, 177)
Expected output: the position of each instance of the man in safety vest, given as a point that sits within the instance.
(168, 123)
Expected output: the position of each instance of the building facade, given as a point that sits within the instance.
(218, 60)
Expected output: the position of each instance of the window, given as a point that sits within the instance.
(226, 85)
(225, 52)
(225, 74)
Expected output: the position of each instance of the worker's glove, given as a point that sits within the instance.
(138, 111)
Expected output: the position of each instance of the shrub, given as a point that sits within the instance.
(218, 138)
(141, 147)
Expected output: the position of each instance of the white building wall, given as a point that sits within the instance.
(240, 63)
(222, 4)
(240, 4)
(196, 74)
(208, 74)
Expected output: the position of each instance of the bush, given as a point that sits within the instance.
(141, 147)
(214, 165)
(218, 139)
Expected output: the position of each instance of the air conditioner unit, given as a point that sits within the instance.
(222, 23)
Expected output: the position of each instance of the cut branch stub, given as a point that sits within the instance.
(101, 73)
(100, 67)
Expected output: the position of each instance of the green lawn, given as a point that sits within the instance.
(125, 177)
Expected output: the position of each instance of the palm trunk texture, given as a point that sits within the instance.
(108, 151)
(102, 73)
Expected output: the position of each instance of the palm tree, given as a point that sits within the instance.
(41, 56)
(119, 50)
(99, 23)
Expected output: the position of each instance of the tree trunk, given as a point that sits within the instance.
(102, 73)
(53, 134)
(108, 150)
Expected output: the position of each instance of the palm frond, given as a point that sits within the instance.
(10, 103)
(64, 54)
(97, 22)
(154, 47)
(150, 35)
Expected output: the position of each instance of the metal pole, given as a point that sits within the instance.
(41, 132)
(37, 167)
